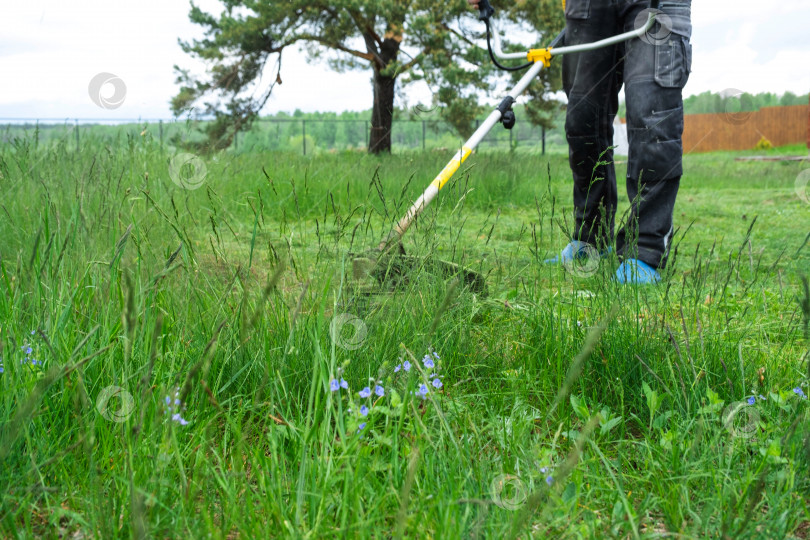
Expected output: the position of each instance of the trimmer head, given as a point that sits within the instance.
(394, 269)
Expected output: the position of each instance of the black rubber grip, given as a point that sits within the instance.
(653, 4)
(557, 41)
(485, 10)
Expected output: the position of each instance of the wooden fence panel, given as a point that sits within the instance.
(742, 130)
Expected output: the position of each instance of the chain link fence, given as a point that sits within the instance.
(306, 136)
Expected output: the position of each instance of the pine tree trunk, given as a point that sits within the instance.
(382, 114)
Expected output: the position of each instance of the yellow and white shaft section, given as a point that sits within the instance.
(453, 165)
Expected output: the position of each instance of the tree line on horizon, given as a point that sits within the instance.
(703, 103)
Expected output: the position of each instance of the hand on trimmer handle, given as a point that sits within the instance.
(485, 10)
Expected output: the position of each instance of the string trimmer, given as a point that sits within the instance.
(389, 261)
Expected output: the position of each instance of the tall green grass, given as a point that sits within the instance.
(569, 407)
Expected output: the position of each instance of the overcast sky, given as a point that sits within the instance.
(51, 49)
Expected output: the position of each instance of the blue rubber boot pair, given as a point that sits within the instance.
(630, 272)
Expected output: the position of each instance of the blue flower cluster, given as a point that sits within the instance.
(169, 402)
(28, 350)
(372, 393)
(753, 399)
(338, 383)
(434, 379)
(335, 385)
(549, 477)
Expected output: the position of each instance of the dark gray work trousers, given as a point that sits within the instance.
(654, 70)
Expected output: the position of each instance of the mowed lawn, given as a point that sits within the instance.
(202, 362)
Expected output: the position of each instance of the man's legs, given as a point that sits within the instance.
(591, 81)
(655, 71)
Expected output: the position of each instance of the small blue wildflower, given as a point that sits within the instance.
(543, 470)
(437, 383)
(760, 396)
(406, 365)
(379, 390)
(365, 392)
(428, 361)
(799, 392)
(397, 368)
(334, 385)
(436, 355)
(752, 400)
(364, 410)
(361, 426)
(179, 419)
(423, 390)
(549, 480)
(28, 349)
(344, 384)
(168, 401)
(33, 332)
(1, 368)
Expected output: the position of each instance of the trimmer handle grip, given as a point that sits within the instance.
(653, 4)
(485, 10)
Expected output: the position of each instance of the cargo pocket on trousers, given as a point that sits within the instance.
(577, 9)
(673, 62)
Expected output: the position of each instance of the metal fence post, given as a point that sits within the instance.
(366, 133)
(304, 131)
(510, 140)
(543, 136)
(160, 129)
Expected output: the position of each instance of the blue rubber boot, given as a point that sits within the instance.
(575, 250)
(636, 272)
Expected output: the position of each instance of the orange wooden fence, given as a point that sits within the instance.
(742, 130)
